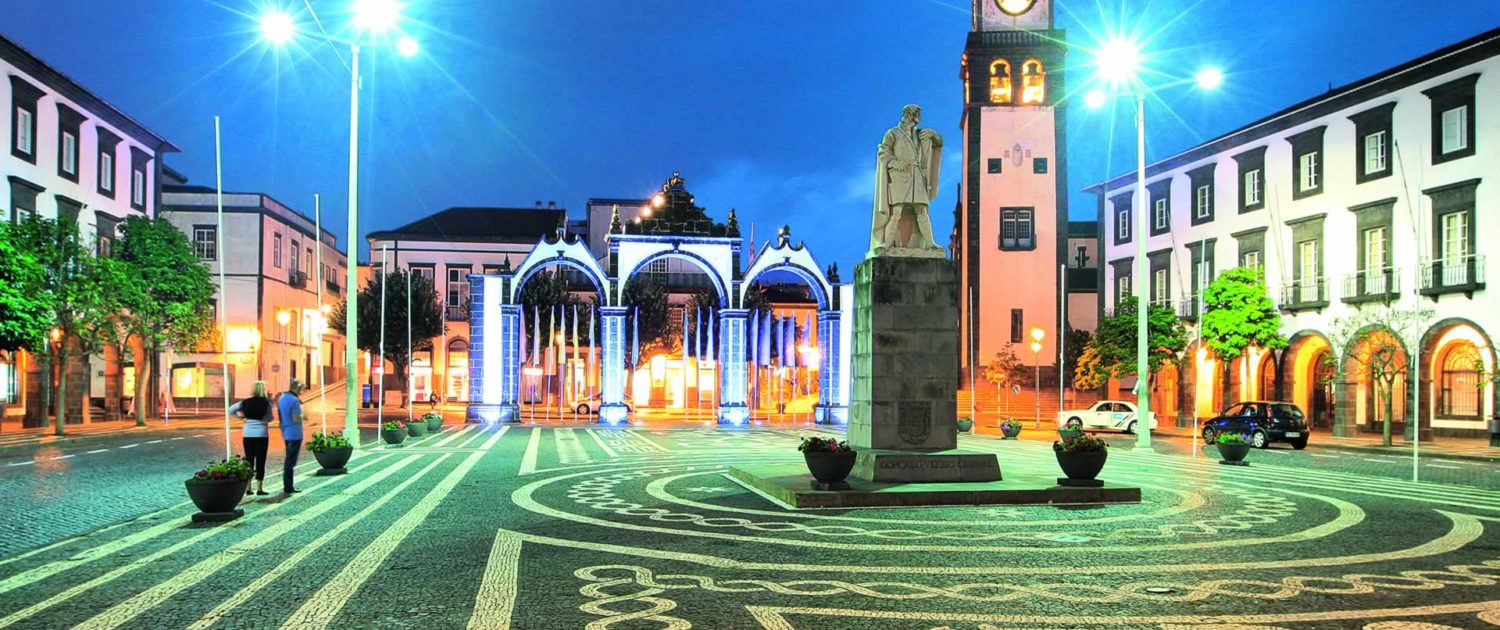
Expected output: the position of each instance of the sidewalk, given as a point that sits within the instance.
(1471, 449)
(13, 434)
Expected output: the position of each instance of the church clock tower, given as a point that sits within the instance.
(1012, 214)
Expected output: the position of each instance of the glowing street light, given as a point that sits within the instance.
(1095, 98)
(1036, 353)
(407, 46)
(1209, 78)
(1118, 60)
(376, 16)
(277, 27)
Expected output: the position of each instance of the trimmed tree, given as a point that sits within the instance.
(1114, 343)
(25, 315)
(1238, 314)
(426, 319)
(1077, 343)
(166, 294)
(84, 292)
(1372, 342)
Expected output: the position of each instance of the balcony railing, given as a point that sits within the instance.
(1372, 286)
(332, 285)
(456, 313)
(1305, 295)
(1187, 308)
(297, 279)
(1456, 274)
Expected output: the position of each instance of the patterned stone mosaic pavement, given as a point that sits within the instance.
(584, 527)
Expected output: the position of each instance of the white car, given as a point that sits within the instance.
(1105, 414)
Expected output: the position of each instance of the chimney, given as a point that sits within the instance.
(539, 204)
(551, 205)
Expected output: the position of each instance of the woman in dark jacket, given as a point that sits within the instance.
(256, 410)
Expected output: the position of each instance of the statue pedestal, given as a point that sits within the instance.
(903, 410)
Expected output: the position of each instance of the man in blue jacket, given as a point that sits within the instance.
(289, 414)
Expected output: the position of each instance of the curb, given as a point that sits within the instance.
(1382, 450)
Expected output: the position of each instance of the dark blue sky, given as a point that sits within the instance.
(772, 107)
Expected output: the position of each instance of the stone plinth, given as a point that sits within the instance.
(905, 355)
(790, 486)
(917, 467)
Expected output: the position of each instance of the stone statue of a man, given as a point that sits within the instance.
(906, 181)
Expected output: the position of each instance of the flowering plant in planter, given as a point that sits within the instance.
(393, 425)
(824, 445)
(1231, 438)
(430, 416)
(233, 469)
(1080, 444)
(1011, 424)
(322, 441)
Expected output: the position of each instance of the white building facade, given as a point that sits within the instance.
(68, 153)
(1377, 193)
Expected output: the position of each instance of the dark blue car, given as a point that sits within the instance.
(1263, 422)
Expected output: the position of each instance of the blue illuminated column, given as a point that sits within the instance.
(510, 363)
(732, 408)
(831, 409)
(493, 343)
(612, 409)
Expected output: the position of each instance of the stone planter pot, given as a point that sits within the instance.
(434, 423)
(416, 429)
(1082, 466)
(1233, 453)
(217, 500)
(333, 460)
(1068, 434)
(1010, 432)
(393, 436)
(965, 424)
(829, 467)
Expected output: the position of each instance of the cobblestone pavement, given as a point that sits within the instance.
(589, 527)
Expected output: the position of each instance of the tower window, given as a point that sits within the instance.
(1000, 89)
(995, 165)
(1017, 228)
(1017, 322)
(1033, 83)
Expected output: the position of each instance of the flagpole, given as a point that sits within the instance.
(380, 357)
(407, 384)
(223, 304)
(322, 319)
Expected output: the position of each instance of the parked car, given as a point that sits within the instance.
(591, 404)
(1264, 421)
(1105, 414)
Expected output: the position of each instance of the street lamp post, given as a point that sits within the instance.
(1036, 353)
(1118, 62)
(370, 17)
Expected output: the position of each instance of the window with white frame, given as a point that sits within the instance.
(1307, 264)
(1252, 187)
(206, 242)
(25, 142)
(107, 172)
(1159, 213)
(1201, 202)
(1455, 237)
(1122, 224)
(1309, 171)
(458, 285)
(1456, 129)
(1251, 260)
(1122, 288)
(429, 273)
(69, 153)
(1159, 286)
(1375, 157)
(276, 250)
(138, 188)
(1374, 261)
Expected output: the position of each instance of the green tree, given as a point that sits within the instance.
(1238, 315)
(1077, 342)
(1089, 372)
(1373, 343)
(646, 297)
(545, 290)
(25, 315)
(1114, 343)
(426, 318)
(85, 298)
(166, 294)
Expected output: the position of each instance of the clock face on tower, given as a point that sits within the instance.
(1015, 7)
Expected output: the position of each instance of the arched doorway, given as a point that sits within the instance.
(1307, 377)
(559, 373)
(1458, 363)
(1376, 367)
(673, 301)
(1266, 387)
(457, 373)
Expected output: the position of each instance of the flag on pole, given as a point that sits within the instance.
(686, 315)
(766, 324)
(536, 335)
(560, 337)
(807, 331)
(551, 339)
(576, 343)
(635, 339)
(698, 332)
(778, 333)
(713, 356)
(753, 340)
(593, 359)
(522, 337)
(789, 340)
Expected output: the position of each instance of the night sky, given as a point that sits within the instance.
(771, 107)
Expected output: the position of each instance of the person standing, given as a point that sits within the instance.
(256, 411)
(289, 414)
